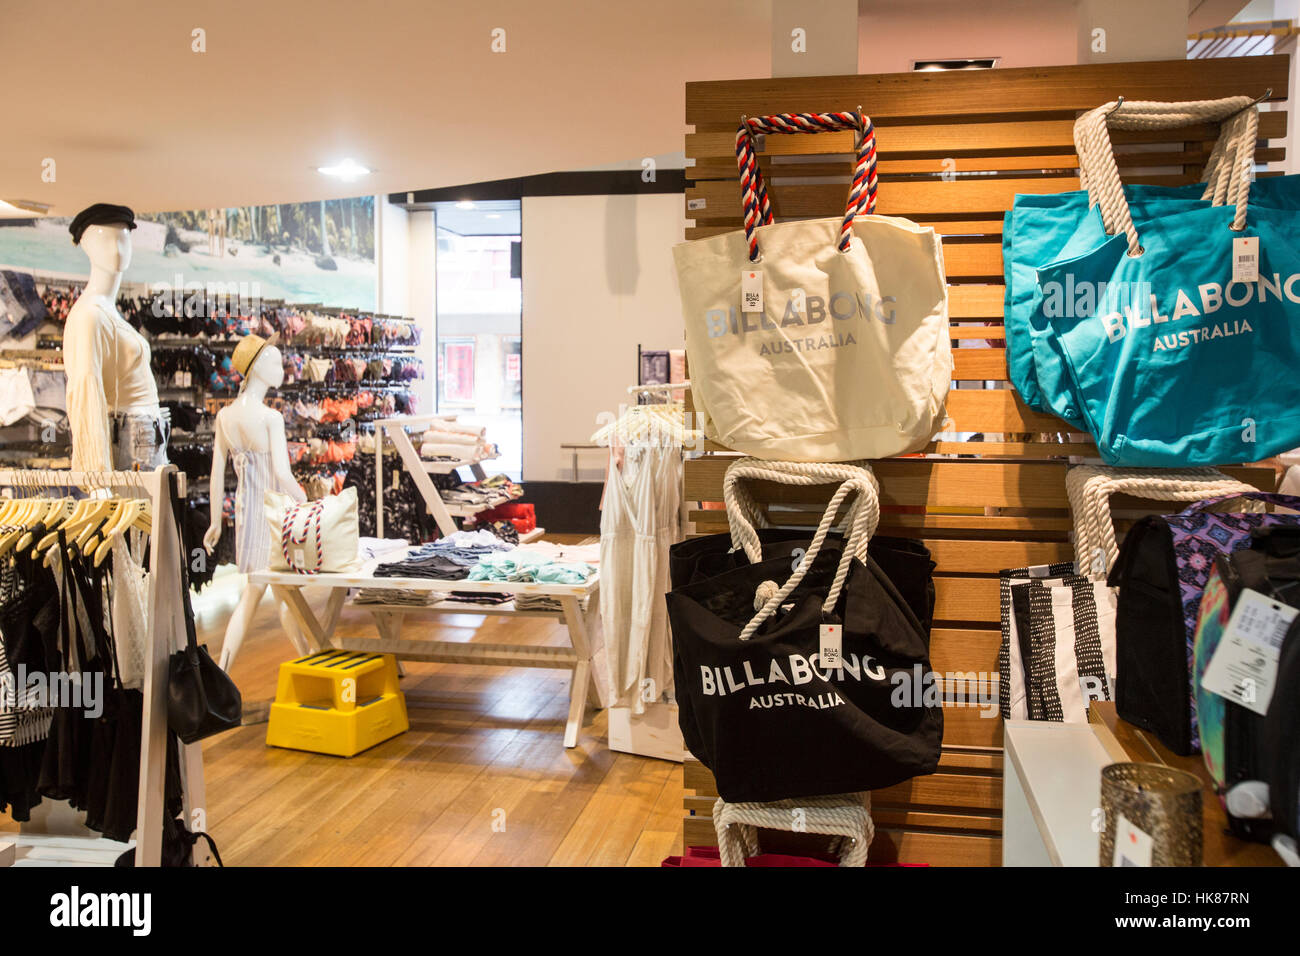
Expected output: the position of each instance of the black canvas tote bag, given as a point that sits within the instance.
(758, 709)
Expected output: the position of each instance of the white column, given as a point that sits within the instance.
(422, 297)
(1289, 10)
(1117, 31)
(392, 258)
(814, 39)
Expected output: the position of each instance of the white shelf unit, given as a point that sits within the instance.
(444, 513)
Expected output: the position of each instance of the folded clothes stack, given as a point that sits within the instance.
(544, 602)
(478, 597)
(371, 548)
(564, 553)
(521, 565)
(395, 596)
(458, 442)
(447, 559)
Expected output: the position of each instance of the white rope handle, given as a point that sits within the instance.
(847, 817)
(1228, 183)
(1092, 139)
(744, 515)
(863, 517)
(1227, 173)
(1090, 487)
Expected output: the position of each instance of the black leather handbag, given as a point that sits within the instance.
(202, 700)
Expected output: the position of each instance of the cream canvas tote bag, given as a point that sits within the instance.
(819, 340)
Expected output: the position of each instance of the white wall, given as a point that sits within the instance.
(1151, 30)
(598, 279)
(422, 297)
(392, 258)
(1022, 32)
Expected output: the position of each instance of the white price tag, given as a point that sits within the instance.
(299, 557)
(751, 290)
(832, 646)
(1132, 846)
(1245, 259)
(695, 204)
(1244, 665)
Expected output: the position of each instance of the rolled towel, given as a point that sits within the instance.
(464, 429)
(439, 450)
(435, 436)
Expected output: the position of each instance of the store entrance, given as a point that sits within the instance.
(479, 314)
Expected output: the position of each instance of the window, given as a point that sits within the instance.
(512, 381)
(456, 371)
(480, 355)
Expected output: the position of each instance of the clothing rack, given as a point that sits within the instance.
(166, 621)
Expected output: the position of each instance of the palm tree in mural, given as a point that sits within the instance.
(325, 260)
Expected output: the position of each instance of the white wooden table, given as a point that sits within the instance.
(581, 625)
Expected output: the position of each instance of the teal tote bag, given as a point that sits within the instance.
(1178, 351)
(1037, 231)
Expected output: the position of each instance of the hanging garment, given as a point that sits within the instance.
(28, 613)
(21, 308)
(16, 397)
(65, 768)
(130, 611)
(637, 527)
(253, 478)
(654, 666)
(624, 579)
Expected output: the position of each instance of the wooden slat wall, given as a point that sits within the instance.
(1005, 505)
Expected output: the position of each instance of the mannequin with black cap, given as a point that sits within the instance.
(113, 407)
(252, 436)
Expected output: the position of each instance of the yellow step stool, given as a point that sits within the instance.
(337, 702)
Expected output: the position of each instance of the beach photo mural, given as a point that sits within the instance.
(311, 252)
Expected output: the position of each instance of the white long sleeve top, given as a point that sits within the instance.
(107, 364)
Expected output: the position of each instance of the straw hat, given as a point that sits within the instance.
(247, 351)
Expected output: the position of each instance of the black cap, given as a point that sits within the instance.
(100, 214)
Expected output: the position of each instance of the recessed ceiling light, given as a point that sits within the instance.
(493, 215)
(346, 170)
(465, 204)
(931, 66)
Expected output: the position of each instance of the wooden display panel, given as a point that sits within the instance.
(1003, 503)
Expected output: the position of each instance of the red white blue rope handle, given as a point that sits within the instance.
(314, 511)
(753, 191)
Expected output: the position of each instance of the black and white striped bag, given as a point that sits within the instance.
(1057, 651)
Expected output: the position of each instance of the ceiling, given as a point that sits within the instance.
(116, 98)
(129, 113)
(493, 217)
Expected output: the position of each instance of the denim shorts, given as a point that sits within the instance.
(140, 439)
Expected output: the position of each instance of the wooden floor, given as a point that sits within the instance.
(481, 779)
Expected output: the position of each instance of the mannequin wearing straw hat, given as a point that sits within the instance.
(252, 436)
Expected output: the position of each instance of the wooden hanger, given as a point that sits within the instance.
(127, 514)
